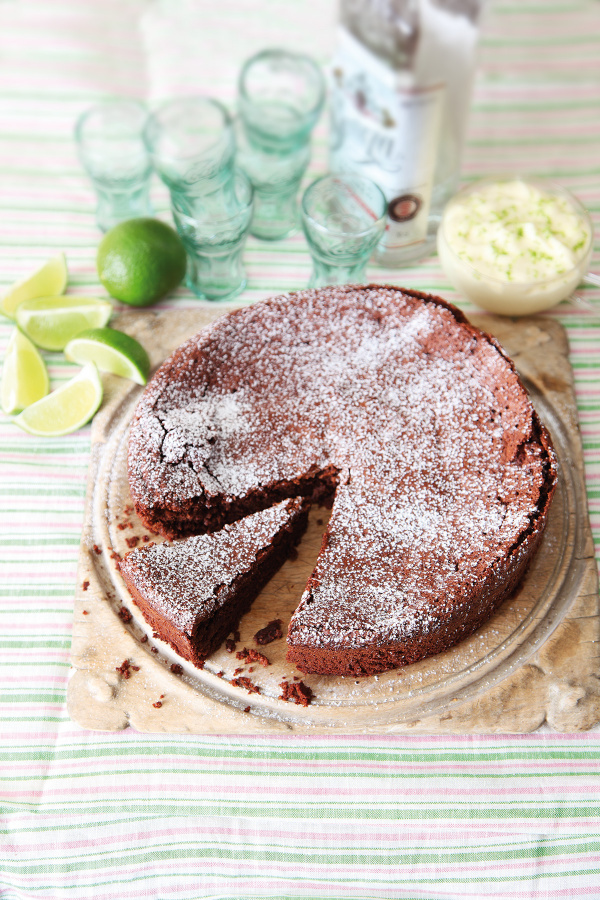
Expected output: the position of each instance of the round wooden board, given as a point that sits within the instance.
(493, 681)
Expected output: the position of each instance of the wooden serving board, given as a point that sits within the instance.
(534, 664)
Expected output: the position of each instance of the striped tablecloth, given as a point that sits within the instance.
(127, 815)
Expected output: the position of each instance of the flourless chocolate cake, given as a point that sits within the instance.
(389, 404)
(194, 591)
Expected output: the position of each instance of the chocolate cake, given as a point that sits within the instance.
(386, 402)
(194, 591)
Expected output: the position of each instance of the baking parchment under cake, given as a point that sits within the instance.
(534, 664)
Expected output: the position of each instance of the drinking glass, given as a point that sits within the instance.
(343, 217)
(215, 239)
(110, 143)
(192, 146)
(280, 98)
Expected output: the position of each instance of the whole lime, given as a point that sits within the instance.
(141, 260)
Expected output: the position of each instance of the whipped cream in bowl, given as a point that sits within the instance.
(515, 245)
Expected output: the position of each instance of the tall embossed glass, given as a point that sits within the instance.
(192, 145)
(110, 144)
(280, 98)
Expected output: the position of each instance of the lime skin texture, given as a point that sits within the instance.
(140, 261)
(111, 351)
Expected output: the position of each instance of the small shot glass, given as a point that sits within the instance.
(111, 148)
(214, 239)
(191, 143)
(280, 98)
(343, 218)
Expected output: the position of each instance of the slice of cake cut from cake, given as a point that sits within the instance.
(193, 592)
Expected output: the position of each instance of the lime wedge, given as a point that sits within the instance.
(66, 409)
(51, 322)
(112, 351)
(24, 375)
(49, 280)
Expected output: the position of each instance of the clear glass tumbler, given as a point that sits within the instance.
(215, 239)
(110, 144)
(343, 217)
(192, 145)
(280, 98)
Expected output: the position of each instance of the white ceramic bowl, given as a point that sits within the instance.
(521, 296)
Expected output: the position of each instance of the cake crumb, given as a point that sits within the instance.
(246, 683)
(97, 549)
(176, 669)
(230, 645)
(246, 709)
(251, 655)
(269, 633)
(125, 615)
(146, 538)
(85, 585)
(299, 692)
(157, 705)
(132, 542)
(126, 668)
(144, 639)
